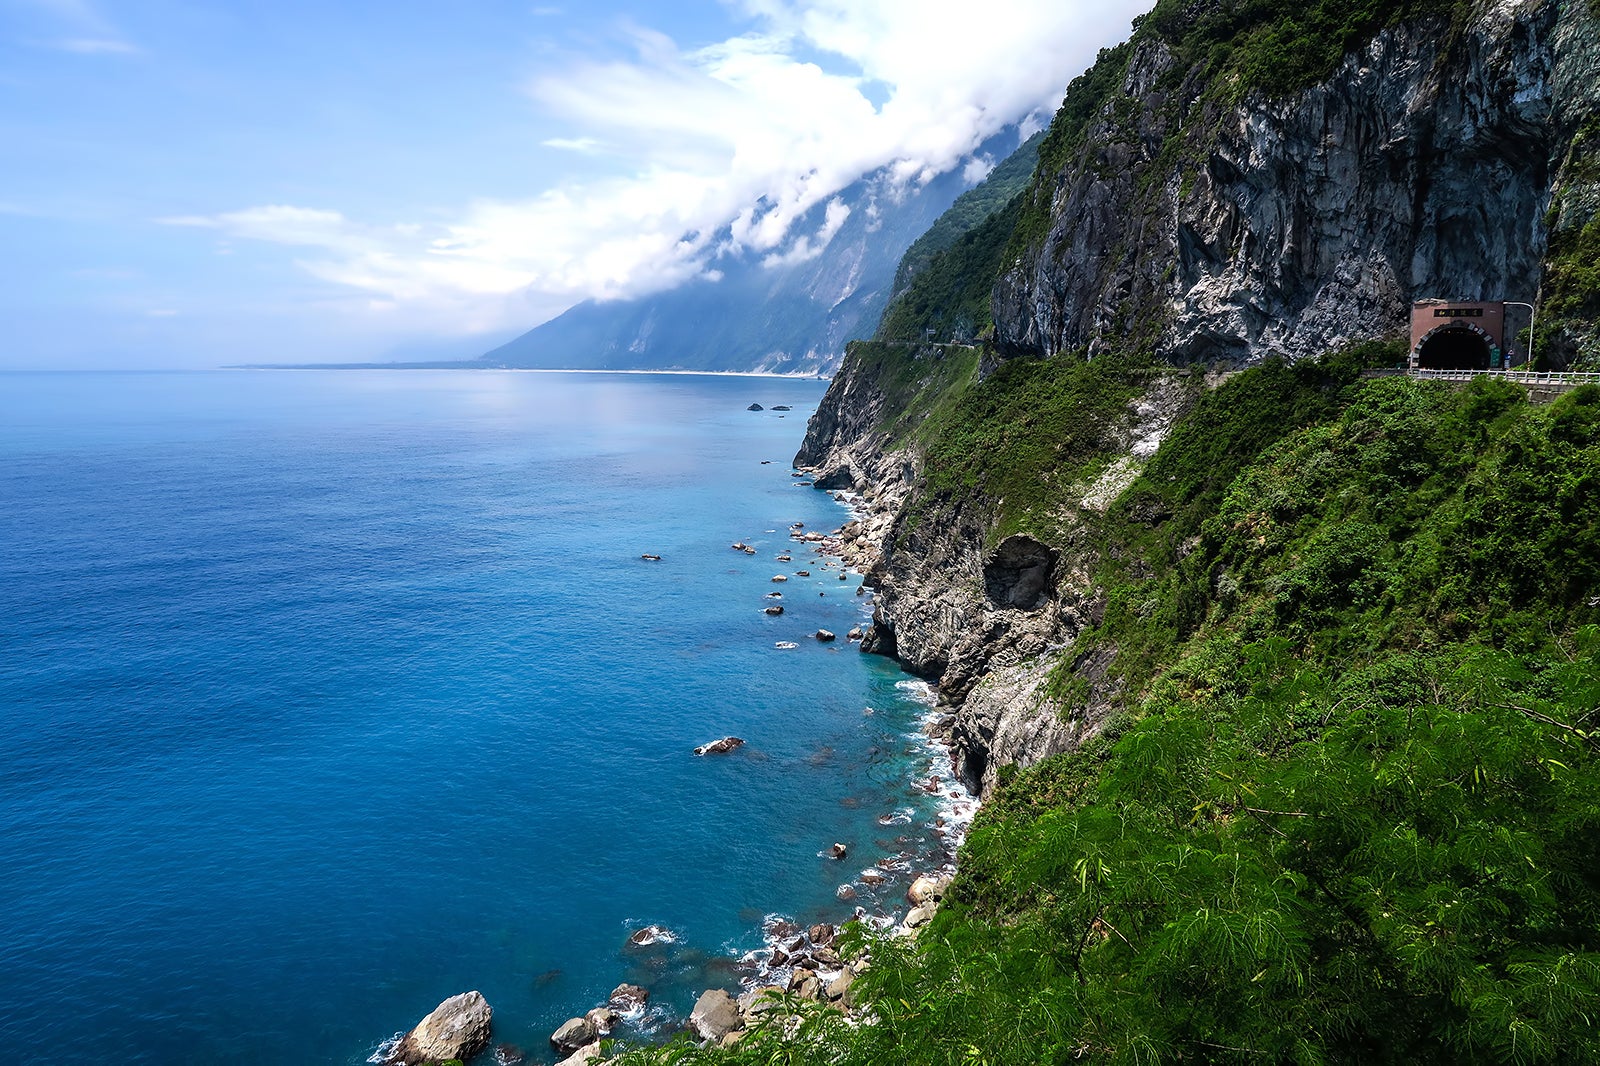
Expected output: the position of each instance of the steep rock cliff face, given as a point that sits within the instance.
(987, 622)
(1437, 160)
(1212, 231)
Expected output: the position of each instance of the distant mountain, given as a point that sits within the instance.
(785, 317)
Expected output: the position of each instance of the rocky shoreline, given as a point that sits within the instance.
(796, 962)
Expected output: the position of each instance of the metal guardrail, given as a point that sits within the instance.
(1521, 377)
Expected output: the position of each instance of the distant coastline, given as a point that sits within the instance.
(808, 376)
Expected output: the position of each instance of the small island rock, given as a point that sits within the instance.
(716, 747)
(755, 407)
(458, 1028)
(825, 636)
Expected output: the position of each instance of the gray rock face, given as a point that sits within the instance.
(1009, 719)
(715, 1015)
(458, 1028)
(1422, 167)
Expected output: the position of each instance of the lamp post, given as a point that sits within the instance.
(1528, 365)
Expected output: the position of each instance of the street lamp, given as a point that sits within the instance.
(1512, 303)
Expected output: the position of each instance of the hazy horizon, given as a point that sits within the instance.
(215, 184)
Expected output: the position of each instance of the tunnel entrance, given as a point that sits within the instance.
(1455, 347)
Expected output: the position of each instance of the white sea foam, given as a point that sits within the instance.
(919, 690)
(386, 1049)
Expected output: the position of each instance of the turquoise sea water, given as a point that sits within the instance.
(325, 696)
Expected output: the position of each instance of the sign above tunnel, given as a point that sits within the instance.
(1458, 336)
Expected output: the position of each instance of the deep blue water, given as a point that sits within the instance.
(324, 696)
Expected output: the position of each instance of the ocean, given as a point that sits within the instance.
(327, 695)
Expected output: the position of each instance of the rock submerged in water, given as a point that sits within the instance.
(654, 934)
(458, 1028)
(716, 747)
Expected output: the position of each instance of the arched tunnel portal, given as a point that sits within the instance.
(1457, 346)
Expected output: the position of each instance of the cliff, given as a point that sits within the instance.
(1195, 210)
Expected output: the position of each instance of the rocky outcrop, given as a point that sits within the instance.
(458, 1028)
(1217, 231)
(953, 611)
(715, 1015)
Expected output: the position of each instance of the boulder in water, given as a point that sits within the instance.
(715, 1015)
(573, 1034)
(755, 407)
(627, 998)
(716, 747)
(655, 934)
(926, 889)
(583, 1056)
(825, 636)
(604, 1019)
(458, 1028)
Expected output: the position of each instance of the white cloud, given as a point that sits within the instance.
(744, 136)
(977, 169)
(572, 144)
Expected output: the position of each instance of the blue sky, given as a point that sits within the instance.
(198, 183)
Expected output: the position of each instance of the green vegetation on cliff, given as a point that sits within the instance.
(1352, 811)
(971, 209)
